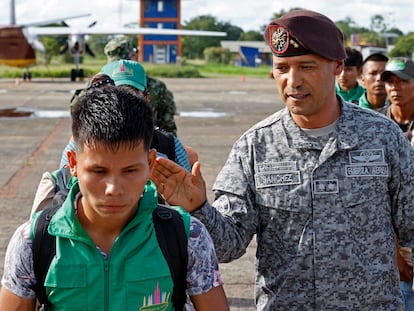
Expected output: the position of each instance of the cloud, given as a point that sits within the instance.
(249, 15)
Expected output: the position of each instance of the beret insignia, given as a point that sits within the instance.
(279, 41)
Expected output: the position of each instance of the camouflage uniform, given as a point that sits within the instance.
(324, 214)
(162, 100)
(163, 105)
(118, 48)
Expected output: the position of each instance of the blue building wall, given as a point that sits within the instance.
(170, 11)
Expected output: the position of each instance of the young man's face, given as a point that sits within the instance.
(348, 78)
(400, 92)
(306, 84)
(111, 182)
(371, 77)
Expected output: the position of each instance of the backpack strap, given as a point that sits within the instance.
(172, 238)
(44, 244)
(164, 142)
(44, 249)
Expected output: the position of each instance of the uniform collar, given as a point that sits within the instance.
(346, 137)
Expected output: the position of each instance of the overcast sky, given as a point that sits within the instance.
(249, 15)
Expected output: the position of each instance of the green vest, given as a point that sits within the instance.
(134, 277)
(352, 95)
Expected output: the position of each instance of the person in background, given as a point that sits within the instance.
(375, 96)
(322, 184)
(107, 252)
(132, 74)
(347, 85)
(399, 85)
(162, 100)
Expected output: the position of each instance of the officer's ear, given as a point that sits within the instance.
(339, 66)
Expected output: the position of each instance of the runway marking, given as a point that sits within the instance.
(9, 190)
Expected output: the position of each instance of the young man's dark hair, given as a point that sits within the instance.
(113, 123)
(376, 57)
(353, 57)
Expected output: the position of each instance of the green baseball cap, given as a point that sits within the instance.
(126, 72)
(403, 68)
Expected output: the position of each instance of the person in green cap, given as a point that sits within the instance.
(162, 99)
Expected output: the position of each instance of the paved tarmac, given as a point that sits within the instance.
(213, 113)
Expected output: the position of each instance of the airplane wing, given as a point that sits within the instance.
(51, 31)
(53, 21)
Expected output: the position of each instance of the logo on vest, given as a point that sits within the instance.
(157, 301)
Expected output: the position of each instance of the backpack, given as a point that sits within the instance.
(164, 142)
(170, 231)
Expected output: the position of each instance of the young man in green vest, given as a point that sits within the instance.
(347, 81)
(107, 253)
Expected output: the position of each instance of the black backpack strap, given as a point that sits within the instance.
(164, 142)
(44, 249)
(172, 239)
(44, 246)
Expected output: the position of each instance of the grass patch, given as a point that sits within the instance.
(189, 70)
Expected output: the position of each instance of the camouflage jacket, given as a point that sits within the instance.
(163, 105)
(323, 215)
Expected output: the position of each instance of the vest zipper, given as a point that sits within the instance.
(106, 284)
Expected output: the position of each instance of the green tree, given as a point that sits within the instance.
(378, 23)
(97, 43)
(372, 38)
(251, 36)
(283, 12)
(404, 47)
(217, 55)
(194, 46)
(233, 32)
(53, 46)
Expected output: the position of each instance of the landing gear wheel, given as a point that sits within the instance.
(77, 73)
(27, 76)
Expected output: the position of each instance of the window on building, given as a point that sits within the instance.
(160, 6)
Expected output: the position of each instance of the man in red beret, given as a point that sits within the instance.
(323, 185)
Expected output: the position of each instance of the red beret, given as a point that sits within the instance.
(305, 32)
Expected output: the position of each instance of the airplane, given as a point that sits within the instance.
(17, 45)
(18, 42)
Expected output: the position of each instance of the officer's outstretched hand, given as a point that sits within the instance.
(177, 186)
